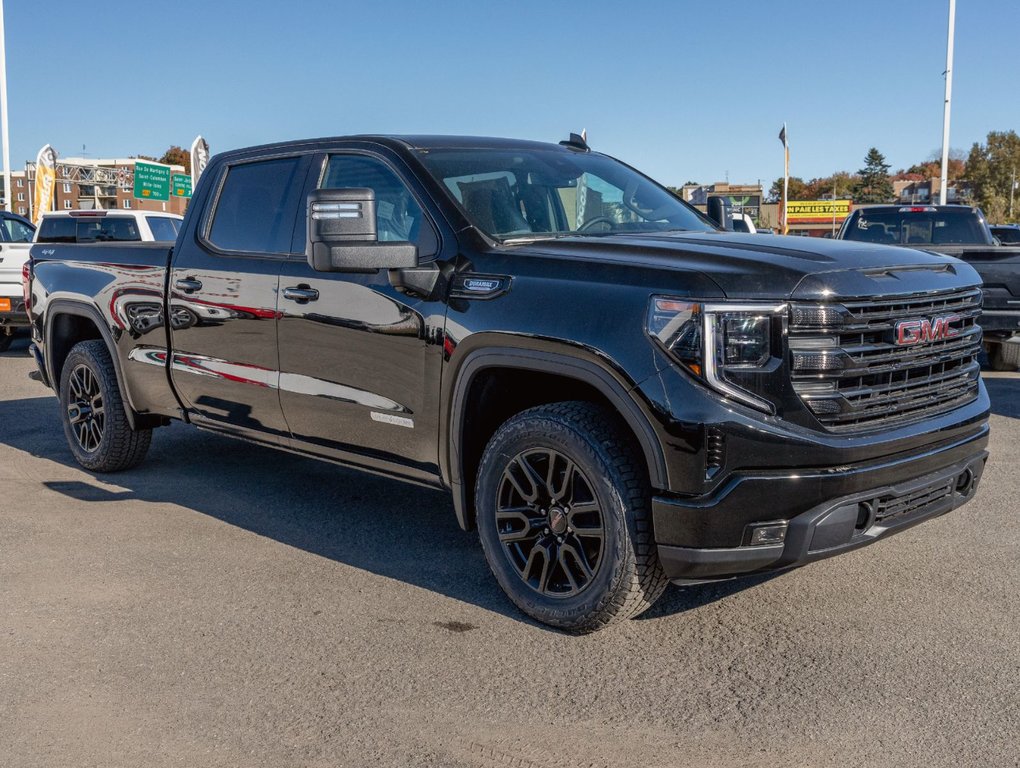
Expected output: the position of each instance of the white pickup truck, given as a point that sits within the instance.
(15, 241)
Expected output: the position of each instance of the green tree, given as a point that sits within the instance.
(873, 184)
(990, 169)
(797, 190)
(177, 156)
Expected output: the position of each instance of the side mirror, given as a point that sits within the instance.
(342, 235)
(719, 210)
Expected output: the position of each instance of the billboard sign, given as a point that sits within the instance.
(817, 211)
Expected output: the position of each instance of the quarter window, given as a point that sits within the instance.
(257, 207)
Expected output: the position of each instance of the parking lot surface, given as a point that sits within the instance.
(229, 605)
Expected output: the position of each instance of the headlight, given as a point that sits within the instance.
(729, 346)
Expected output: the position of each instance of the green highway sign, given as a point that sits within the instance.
(180, 185)
(152, 182)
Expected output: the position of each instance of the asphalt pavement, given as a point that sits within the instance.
(229, 605)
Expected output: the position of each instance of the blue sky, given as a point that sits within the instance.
(682, 90)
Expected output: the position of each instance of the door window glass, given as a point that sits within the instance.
(257, 207)
(17, 231)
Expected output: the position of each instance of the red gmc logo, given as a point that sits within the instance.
(910, 332)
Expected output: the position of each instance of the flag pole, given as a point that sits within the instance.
(786, 182)
(949, 97)
(4, 134)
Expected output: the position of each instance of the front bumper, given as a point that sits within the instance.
(828, 511)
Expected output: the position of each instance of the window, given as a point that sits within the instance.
(257, 207)
(17, 231)
(67, 188)
(23, 210)
(67, 205)
(21, 182)
(127, 203)
(107, 229)
(398, 217)
(21, 197)
(163, 227)
(57, 229)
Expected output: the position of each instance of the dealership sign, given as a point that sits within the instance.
(816, 211)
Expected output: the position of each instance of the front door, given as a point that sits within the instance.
(360, 361)
(223, 299)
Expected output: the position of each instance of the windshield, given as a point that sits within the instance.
(515, 194)
(935, 227)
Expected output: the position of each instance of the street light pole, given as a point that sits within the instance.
(4, 134)
(949, 98)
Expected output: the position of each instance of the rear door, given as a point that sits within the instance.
(223, 297)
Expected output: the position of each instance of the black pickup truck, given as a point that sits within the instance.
(959, 231)
(617, 393)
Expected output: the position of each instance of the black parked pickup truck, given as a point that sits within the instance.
(617, 393)
(962, 232)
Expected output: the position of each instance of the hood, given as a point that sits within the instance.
(748, 266)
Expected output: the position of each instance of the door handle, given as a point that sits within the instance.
(188, 285)
(302, 294)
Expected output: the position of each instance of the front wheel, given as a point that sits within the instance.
(563, 517)
(92, 410)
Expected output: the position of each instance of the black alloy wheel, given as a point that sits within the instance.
(85, 410)
(550, 523)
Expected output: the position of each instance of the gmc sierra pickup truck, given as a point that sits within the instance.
(616, 393)
(959, 231)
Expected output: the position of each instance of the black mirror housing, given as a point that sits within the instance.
(719, 210)
(342, 234)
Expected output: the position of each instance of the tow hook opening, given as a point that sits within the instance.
(965, 482)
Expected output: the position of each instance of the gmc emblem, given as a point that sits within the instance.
(910, 332)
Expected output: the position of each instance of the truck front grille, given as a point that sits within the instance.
(855, 367)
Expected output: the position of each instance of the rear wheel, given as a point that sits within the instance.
(563, 517)
(92, 410)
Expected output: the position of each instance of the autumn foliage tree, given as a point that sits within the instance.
(177, 156)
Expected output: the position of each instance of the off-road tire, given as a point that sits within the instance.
(120, 447)
(628, 578)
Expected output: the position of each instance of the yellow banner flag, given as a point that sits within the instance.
(45, 179)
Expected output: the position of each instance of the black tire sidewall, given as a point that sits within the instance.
(526, 433)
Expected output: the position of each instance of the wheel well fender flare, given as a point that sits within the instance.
(80, 309)
(568, 366)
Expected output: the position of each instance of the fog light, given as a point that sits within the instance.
(767, 533)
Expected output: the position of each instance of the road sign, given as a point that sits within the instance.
(180, 185)
(152, 182)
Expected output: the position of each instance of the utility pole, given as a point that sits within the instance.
(4, 134)
(949, 98)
